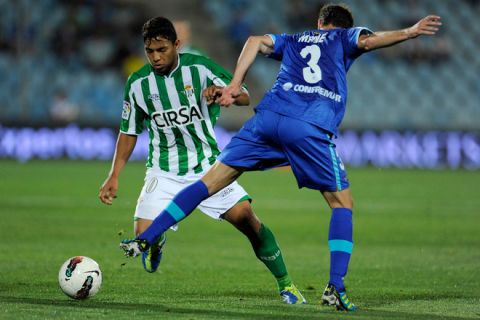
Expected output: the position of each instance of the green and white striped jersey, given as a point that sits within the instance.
(179, 121)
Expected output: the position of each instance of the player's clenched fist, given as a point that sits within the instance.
(212, 93)
(108, 191)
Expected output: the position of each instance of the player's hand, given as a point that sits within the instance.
(229, 94)
(426, 26)
(212, 93)
(108, 190)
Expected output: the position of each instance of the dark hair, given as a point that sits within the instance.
(159, 27)
(338, 15)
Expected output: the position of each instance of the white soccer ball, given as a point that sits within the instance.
(80, 277)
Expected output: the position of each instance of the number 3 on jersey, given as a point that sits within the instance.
(312, 73)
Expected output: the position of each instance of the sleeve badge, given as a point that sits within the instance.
(126, 110)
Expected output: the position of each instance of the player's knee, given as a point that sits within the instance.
(240, 212)
(348, 200)
(344, 202)
(339, 199)
(243, 217)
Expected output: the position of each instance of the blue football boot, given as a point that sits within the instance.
(152, 257)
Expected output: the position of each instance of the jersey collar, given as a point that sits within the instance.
(171, 72)
(174, 69)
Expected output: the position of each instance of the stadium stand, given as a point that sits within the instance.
(432, 83)
(81, 52)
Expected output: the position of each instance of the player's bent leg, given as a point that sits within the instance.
(183, 204)
(152, 256)
(340, 243)
(266, 249)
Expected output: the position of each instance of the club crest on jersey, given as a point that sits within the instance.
(189, 91)
(177, 117)
(126, 110)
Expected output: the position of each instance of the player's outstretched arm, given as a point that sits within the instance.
(254, 45)
(426, 26)
(125, 145)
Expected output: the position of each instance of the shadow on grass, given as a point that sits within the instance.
(253, 312)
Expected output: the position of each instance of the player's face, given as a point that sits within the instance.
(162, 54)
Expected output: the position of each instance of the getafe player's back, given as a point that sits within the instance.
(312, 82)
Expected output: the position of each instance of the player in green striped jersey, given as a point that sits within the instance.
(173, 96)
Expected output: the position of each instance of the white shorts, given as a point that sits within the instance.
(160, 187)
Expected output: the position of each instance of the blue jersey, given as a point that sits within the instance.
(312, 82)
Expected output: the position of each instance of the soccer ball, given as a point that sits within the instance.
(80, 277)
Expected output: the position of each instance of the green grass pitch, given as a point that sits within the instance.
(416, 253)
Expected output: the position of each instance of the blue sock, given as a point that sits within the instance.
(340, 244)
(179, 208)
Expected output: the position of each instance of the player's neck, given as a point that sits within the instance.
(327, 26)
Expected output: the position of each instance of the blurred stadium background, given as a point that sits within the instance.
(64, 64)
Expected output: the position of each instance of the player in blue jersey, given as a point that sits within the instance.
(294, 125)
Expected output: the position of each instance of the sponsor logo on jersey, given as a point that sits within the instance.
(177, 117)
(154, 97)
(318, 90)
(287, 86)
(126, 110)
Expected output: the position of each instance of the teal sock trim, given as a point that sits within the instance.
(340, 245)
(174, 210)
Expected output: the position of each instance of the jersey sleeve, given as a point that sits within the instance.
(218, 75)
(351, 41)
(279, 42)
(133, 116)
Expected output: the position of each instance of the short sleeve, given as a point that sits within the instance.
(279, 42)
(351, 41)
(217, 74)
(133, 116)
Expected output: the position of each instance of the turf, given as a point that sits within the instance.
(416, 254)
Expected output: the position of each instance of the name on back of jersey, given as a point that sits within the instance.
(315, 38)
(177, 117)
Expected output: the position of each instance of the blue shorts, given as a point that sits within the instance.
(271, 140)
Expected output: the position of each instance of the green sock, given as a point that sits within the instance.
(269, 253)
